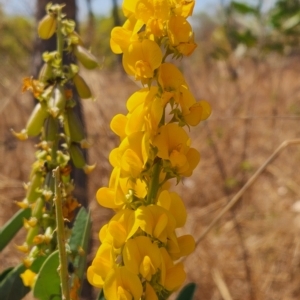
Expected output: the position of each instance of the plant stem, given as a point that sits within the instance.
(59, 37)
(154, 183)
(61, 240)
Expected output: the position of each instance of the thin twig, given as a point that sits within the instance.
(252, 179)
(221, 284)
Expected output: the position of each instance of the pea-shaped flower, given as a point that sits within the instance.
(181, 35)
(142, 256)
(141, 59)
(122, 284)
(173, 145)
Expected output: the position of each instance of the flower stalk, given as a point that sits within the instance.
(61, 237)
(62, 138)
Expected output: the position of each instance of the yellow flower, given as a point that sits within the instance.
(152, 13)
(181, 35)
(121, 284)
(183, 8)
(184, 246)
(192, 112)
(132, 155)
(155, 221)
(174, 204)
(121, 191)
(141, 256)
(172, 275)
(28, 278)
(118, 125)
(174, 87)
(101, 265)
(141, 59)
(119, 228)
(145, 111)
(173, 144)
(121, 37)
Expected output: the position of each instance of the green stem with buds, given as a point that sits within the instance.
(61, 240)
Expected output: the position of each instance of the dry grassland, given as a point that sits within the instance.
(254, 251)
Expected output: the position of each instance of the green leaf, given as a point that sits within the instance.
(101, 295)
(47, 285)
(12, 226)
(81, 233)
(5, 273)
(243, 8)
(11, 287)
(187, 293)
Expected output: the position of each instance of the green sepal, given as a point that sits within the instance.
(12, 226)
(12, 287)
(47, 284)
(79, 240)
(187, 293)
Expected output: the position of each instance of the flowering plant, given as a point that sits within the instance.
(139, 252)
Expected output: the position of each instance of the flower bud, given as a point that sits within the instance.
(75, 38)
(48, 234)
(36, 120)
(47, 27)
(87, 59)
(45, 73)
(73, 126)
(57, 101)
(32, 232)
(82, 88)
(23, 248)
(22, 136)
